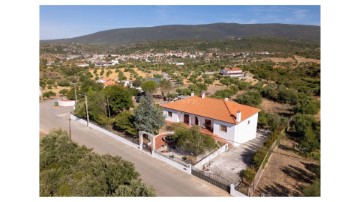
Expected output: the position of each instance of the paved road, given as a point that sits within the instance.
(166, 181)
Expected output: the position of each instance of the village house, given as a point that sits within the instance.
(106, 81)
(232, 72)
(233, 122)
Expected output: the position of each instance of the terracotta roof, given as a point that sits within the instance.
(218, 109)
(105, 78)
(109, 83)
(232, 69)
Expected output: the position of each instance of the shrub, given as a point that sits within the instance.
(193, 141)
(125, 122)
(259, 156)
(49, 94)
(313, 189)
(248, 174)
(252, 98)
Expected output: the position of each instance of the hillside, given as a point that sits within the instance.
(217, 31)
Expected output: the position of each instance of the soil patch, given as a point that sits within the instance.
(270, 106)
(286, 172)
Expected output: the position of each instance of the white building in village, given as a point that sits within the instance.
(227, 119)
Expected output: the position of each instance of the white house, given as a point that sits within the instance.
(227, 119)
(232, 72)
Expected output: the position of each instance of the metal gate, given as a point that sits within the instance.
(214, 179)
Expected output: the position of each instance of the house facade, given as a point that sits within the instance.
(233, 122)
(232, 72)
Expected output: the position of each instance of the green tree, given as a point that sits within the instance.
(149, 86)
(125, 122)
(96, 107)
(165, 86)
(67, 169)
(108, 72)
(63, 92)
(148, 116)
(120, 98)
(307, 105)
(252, 98)
(121, 76)
(193, 141)
(313, 189)
(49, 94)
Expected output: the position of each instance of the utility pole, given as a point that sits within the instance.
(75, 94)
(87, 110)
(70, 125)
(108, 106)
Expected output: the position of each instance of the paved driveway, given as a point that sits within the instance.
(230, 163)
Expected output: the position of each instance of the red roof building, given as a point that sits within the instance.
(234, 122)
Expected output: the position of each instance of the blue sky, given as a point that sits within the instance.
(70, 21)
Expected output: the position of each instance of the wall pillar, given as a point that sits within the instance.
(153, 145)
(141, 140)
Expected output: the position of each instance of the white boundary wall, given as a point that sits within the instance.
(233, 192)
(110, 134)
(66, 103)
(186, 169)
(211, 156)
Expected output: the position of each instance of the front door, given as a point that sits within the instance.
(208, 124)
(186, 118)
(196, 121)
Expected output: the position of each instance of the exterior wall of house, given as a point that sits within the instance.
(236, 134)
(245, 131)
(231, 130)
(175, 115)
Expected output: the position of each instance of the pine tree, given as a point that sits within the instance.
(148, 116)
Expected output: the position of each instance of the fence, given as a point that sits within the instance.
(184, 168)
(108, 133)
(259, 173)
(211, 156)
(214, 179)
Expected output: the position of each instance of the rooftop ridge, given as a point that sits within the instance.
(227, 107)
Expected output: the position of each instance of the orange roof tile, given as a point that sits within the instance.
(232, 69)
(109, 83)
(212, 108)
(105, 78)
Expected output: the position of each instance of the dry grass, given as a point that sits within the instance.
(114, 75)
(55, 90)
(302, 59)
(286, 172)
(270, 106)
(276, 60)
(42, 134)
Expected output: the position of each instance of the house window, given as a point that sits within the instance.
(223, 128)
(169, 114)
(248, 121)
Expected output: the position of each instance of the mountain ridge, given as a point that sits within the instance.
(214, 31)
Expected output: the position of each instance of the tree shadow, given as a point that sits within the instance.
(246, 156)
(298, 174)
(286, 148)
(313, 168)
(277, 190)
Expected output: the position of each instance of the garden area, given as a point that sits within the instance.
(186, 145)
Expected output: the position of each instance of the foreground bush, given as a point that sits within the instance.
(67, 169)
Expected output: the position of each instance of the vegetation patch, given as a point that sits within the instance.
(67, 169)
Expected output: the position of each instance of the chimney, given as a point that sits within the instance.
(238, 116)
(203, 95)
(226, 99)
(192, 93)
